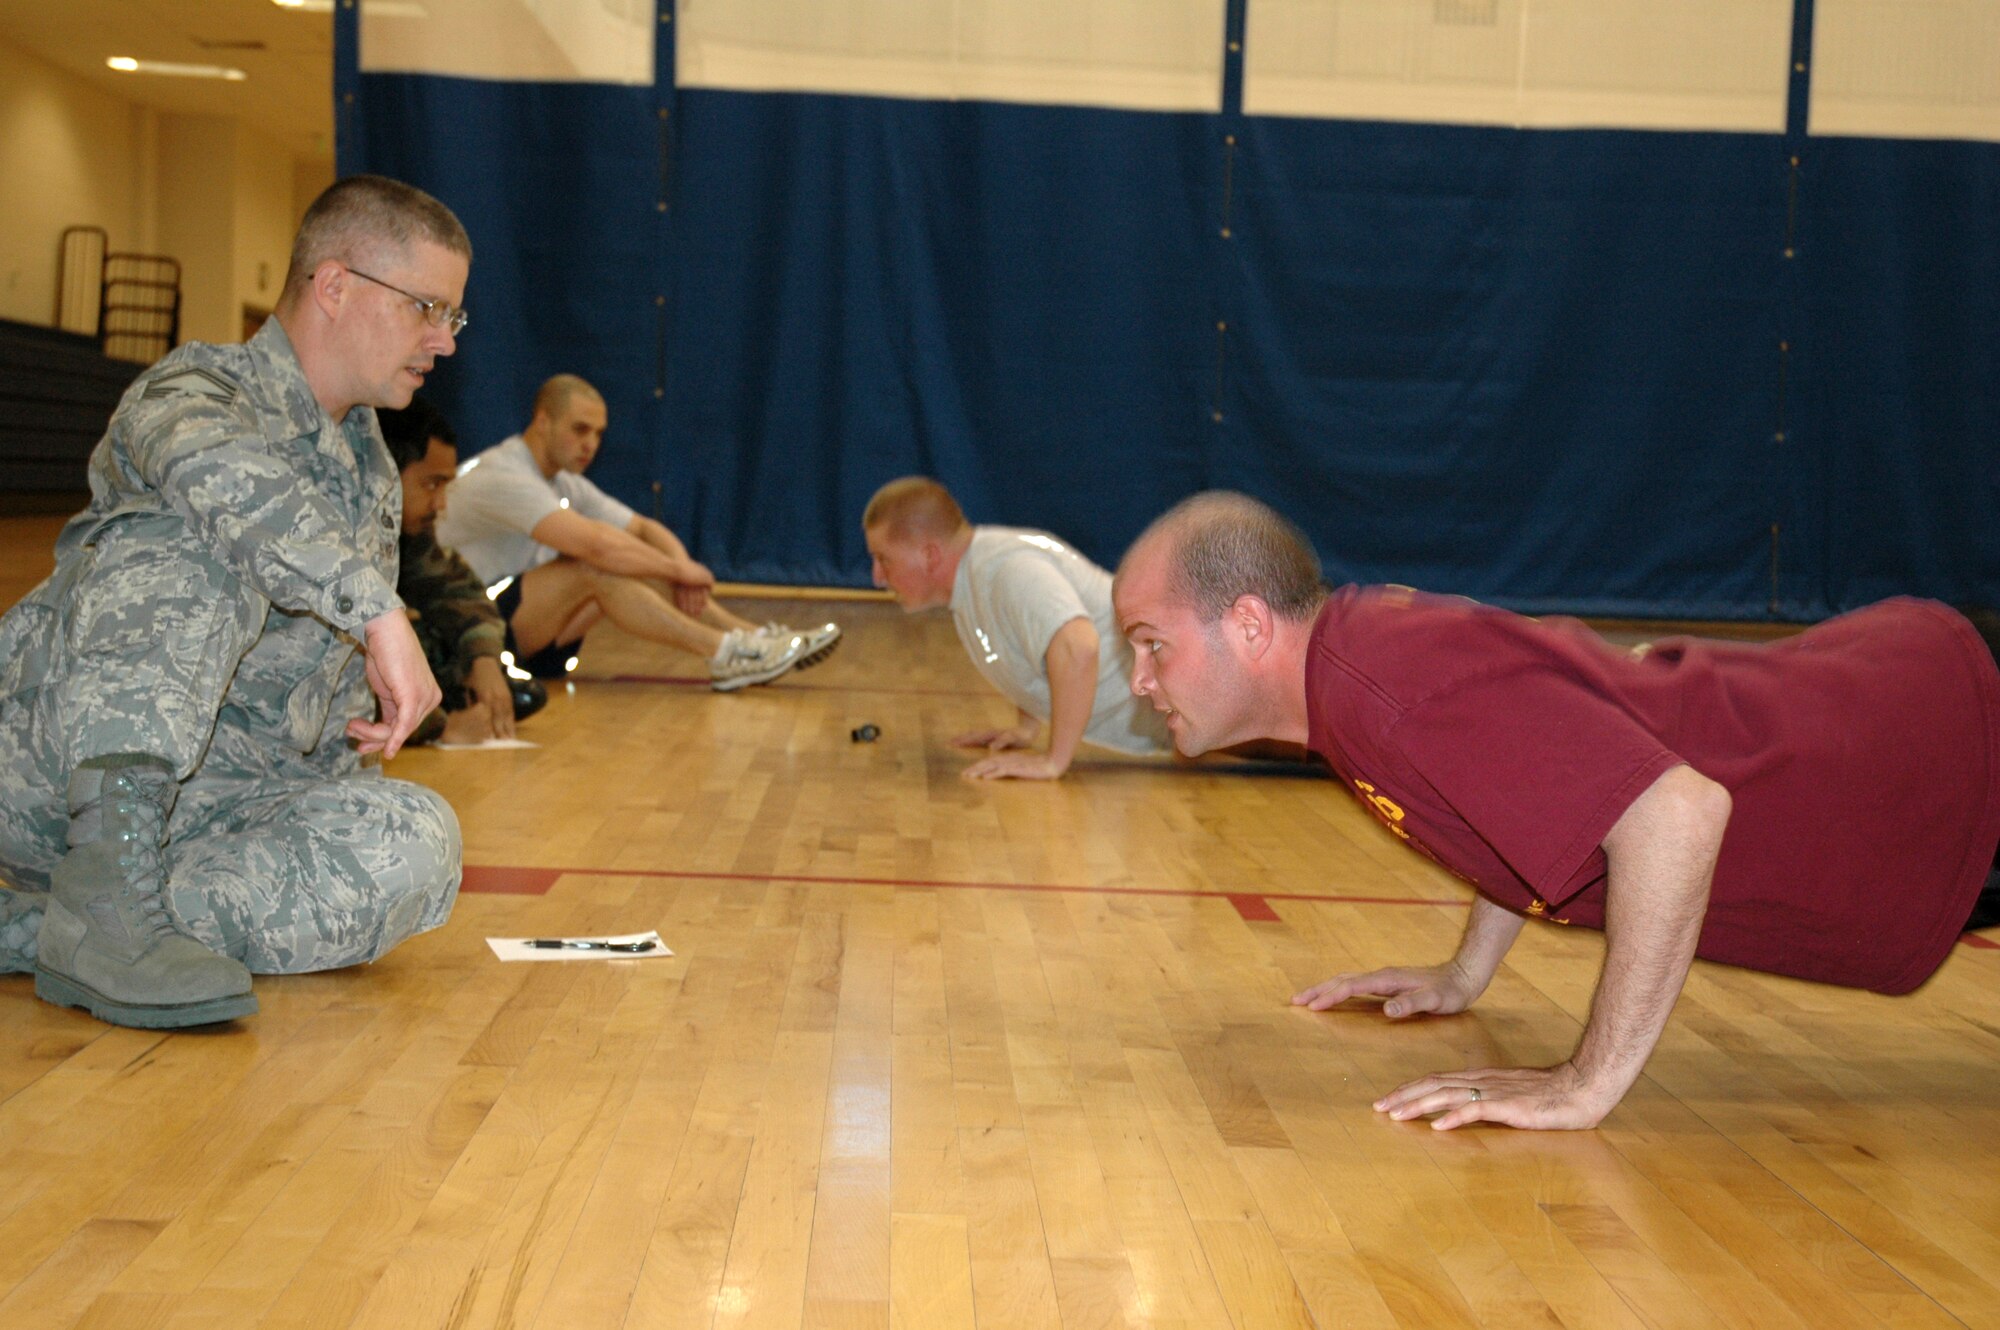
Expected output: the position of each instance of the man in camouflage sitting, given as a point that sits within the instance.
(460, 628)
(179, 802)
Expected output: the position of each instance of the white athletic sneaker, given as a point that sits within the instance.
(820, 641)
(747, 658)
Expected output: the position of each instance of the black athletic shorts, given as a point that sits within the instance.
(551, 661)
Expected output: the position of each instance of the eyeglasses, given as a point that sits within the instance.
(436, 312)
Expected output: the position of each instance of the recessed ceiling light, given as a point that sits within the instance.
(125, 64)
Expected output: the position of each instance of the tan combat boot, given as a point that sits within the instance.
(107, 943)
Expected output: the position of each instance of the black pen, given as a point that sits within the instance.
(579, 944)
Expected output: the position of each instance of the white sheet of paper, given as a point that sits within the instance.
(517, 948)
(484, 745)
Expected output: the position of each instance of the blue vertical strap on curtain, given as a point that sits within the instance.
(1797, 573)
(1223, 420)
(656, 437)
(349, 150)
(1545, 368)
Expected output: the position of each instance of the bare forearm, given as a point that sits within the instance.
(605, 547)
(1661, 855)
(1662, 860)
(1070, 663)
(629, 557)
(1490, 931)
(1072, 666)
(659, 537)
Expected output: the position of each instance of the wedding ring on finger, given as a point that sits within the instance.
(1476, 1095)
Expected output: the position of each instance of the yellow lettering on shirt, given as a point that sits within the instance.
(1391, 813)
(1539, 909)
(1385, 808)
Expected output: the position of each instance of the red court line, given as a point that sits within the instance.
(488, 880)
(1252, 905)
(1256, 909)
(790, 685)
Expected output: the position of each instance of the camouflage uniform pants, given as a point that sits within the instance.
(282, 865)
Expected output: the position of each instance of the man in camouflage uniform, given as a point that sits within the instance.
(178, 802)
(461, 630)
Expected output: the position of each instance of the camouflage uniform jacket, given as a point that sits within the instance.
(236, 543)
(456, 621)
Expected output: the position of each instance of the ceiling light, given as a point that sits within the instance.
(125, 64)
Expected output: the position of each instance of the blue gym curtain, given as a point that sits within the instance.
(1677, 374)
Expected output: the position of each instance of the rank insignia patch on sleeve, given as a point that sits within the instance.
(194, 379)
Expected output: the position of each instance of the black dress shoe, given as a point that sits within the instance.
(529, 697)
(1986, 910)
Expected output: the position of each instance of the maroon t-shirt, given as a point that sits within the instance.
(1863, 758)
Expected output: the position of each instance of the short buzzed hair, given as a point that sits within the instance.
(1221, 546)
(355, 220)
(409, 432)
(914, 507)
(553, 397)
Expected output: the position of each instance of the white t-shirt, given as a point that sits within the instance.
(498, 498)
(1013, 590)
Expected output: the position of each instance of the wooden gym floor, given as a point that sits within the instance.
(935, 1055)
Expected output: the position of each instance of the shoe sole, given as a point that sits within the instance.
(62, 991)
(807, 662)
(746, 680)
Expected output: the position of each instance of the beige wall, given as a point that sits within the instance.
(207, 190)
(309, 180)
(68, 157)
(198, 221)
(264, 221)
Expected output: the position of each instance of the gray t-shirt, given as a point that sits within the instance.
(498, 498)
(1014, 589)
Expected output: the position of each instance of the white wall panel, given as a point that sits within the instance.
(1633, 64)
(1906, 68)
(536, 41)
(1161, 55)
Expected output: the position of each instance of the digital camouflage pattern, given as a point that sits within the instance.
(20, 921)
(206, 609)
(455, 619)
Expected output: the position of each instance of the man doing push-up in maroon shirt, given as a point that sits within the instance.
(1826, 806)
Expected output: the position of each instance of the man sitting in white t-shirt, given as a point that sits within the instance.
(569, 554)
(1034, 615)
